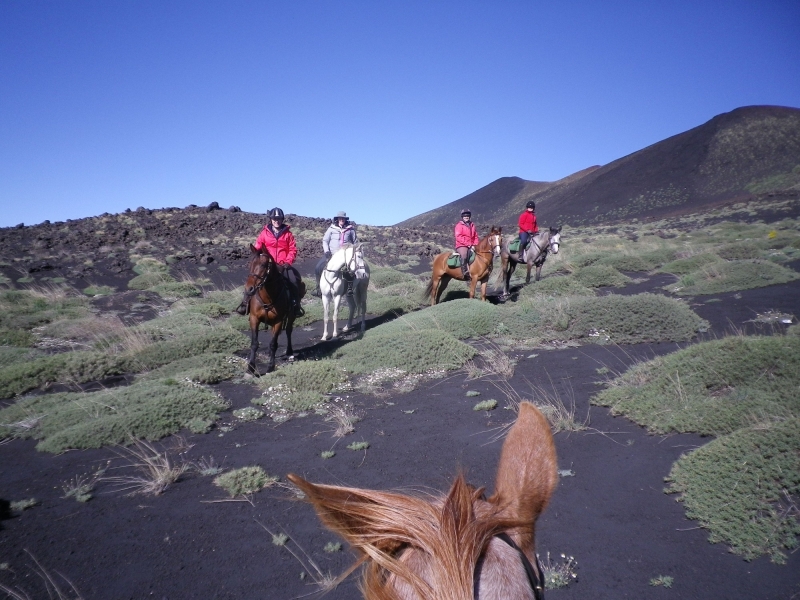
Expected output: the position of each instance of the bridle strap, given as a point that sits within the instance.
(533, 571)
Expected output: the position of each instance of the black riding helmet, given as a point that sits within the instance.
(276, 213)
(466, 211)
(531, 204)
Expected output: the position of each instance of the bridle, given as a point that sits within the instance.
(345, 267)
(533, 571)
(261, 280)
(496, 247)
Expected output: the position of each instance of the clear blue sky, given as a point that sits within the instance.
(384, 109)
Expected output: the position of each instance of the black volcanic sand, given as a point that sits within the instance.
(611, 514)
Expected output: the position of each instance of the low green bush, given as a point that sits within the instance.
(556, 285)
(10, 355)
(148, 264)
(220, 339)
(383, 277)
(740, 250)
(738, 487)
(26, 309)
(594, 276)
(711, 388)
(176, 289)
(683, 266)
(16, 337)
(203, 368)
(147, 409)
(148, 280)
(411, 351)
(320, 376)
(646, 261)
(717, 278)
(244, 481)
(462, 318)
(633, 319)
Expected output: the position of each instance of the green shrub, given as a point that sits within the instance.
(556, 285)
(381, 277)
(711, 388)
(16, 337)
(148, 409)
(203, 368)
(737, 487)
(10, 355)
(320, 376)
(217, 340)
(600, 276)
(683, 266)
(739, 250)
(176, 289)
(244, 481)
(717, 278)
(462, 318)
(208, 309)
(145, 281)
(412, 351)
(26, 309)
(646, 261)
(633, 319)
(149, 265)
(98, 290)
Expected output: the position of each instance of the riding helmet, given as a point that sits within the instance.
(531, 204)
(466, 211)
(276, 213)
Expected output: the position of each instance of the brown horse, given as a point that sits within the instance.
(479, 270)
(457, 547)
(270, 303)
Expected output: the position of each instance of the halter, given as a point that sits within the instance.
(260, 281)
(533, 571)
(497, 244)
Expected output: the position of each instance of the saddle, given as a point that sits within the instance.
(454, 260)
(513, 246)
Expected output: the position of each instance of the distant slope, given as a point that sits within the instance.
(745, 154)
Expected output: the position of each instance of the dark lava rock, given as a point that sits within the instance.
(212, 206)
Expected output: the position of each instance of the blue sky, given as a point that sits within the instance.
(382, 109)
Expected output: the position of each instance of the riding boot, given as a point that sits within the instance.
(465, 272)
(242, 308)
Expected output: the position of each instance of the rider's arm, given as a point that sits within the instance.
(292, 247)
(326, 241)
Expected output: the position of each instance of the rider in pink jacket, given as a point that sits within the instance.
(466, 239)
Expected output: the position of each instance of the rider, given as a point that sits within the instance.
(279, 241)
(527, 226)
(341, 231)
(466, 240)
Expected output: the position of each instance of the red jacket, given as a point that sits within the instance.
(527, 222)
(282, 247)
(466, 235)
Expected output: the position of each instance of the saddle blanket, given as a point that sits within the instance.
(513, 246)
(454, 261)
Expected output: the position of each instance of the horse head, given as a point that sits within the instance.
(261, 266)
(555, 239)
(495, 238)
(455, 547)
(360, 269)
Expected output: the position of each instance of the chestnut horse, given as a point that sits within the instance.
(543, 242)
(270, 303)
(456, 547)
(479, 270)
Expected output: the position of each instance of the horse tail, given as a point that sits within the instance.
(429, 289)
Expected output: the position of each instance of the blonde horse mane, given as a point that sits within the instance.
(392, 532)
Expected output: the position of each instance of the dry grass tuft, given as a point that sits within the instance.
(156, 470)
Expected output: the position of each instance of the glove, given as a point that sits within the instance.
(328, 255)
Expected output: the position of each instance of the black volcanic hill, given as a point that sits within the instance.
(744, 155)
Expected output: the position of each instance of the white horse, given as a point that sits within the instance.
(348, 261)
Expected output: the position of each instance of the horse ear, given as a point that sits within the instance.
(527, 473)
(253, 249)
(362, 517)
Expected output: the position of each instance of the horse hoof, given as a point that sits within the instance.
(290, 357)
(324, 338)
(345, 329)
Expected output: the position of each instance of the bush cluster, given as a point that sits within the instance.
(463, 318)
(594, 276)
(717, 278)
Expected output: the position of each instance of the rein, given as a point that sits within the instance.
(533, 571)
(260, 281)
(345, 266)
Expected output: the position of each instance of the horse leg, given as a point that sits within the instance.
(472, 284)
(483, 289)
(335, 316)
(326, 300)
(288, 330)
(351, 304)
(439, 289)
(528, 276)
(362, 305)
(539, 271)
(273, 347)
(251, 359)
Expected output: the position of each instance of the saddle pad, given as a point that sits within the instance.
(513, 246)
(454, 261)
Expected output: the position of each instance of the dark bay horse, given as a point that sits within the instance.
(270, 303)
(456, 547)
(539, 246)
(479, 270)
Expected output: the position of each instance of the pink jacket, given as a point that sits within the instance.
(466, 235)
(282, 247)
